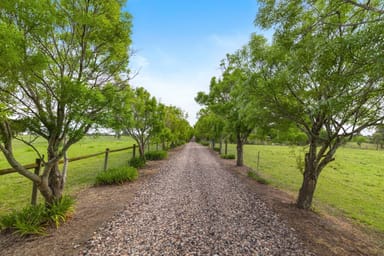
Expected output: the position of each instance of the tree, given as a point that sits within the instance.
(378, 137)
(141, 117)
(65, 59)
(228, 99)
(209, 126)
(176, 127)
(359, 139)
(324, 75)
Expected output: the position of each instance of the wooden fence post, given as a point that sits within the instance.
(258, 160)
(106, 159)
(134, 151)
(34, 186)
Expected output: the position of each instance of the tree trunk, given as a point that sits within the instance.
(141, 141)
(310, 175)
(51, 186)
(307, 191)
(56, 183)
(239, 148)
(142, 149)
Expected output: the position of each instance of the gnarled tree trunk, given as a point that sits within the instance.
(307, 190)
(315, 161)
(310, 175)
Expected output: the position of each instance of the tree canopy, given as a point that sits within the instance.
(62, 59)
(322, 72)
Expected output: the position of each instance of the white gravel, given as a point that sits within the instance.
(195, 207)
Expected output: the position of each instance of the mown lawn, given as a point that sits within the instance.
(15, 190)
(353, 184)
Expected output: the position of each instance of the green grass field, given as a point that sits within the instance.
(353, 184)
(15, 190)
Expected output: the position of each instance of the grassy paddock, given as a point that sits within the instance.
(353, 184)
(15, 190)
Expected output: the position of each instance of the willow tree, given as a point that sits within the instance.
(67, 58)
(325, 73)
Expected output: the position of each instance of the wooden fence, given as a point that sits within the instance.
(38, 164)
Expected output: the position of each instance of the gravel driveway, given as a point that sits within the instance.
(193, 206)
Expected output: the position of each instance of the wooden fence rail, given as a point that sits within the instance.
(38, 164)
(72, 159)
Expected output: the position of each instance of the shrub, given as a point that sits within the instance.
(25, 222)
(116, 176)
(217, 149)
(156, 155)
(137, 162)
(257, 177)
(205, 143)
(230, 156)
(32, 220)
(61, 210)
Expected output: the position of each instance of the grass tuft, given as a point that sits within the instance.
(61, 210)
(137, 162)
(255, 176)
(32, 220)
(228, 156)
(156, 155)
(116, 176)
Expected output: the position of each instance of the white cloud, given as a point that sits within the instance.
(175, 74)
(175, 89)
(230, 43)
(138, 61)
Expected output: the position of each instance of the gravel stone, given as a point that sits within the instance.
(193, 206)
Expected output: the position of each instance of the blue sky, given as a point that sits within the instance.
(179, 44)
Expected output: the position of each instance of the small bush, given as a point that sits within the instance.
(217, 149)
(32, 220)
(230, 156)
(116, 176)
(137, 162)
(28, 221)
(61, 210)
(156, 155)
(257, 177)
(205, 143)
